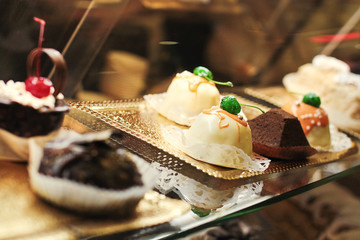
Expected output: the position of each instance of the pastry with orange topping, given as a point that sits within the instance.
(187, 96)
(219, 136)
(313, 119)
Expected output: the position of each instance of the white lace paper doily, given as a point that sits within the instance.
(200, 195)
(230, 156)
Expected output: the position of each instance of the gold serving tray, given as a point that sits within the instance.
(141, 126)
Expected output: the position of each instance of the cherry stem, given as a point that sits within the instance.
(229, 84)
(41, 39)
(245, 105)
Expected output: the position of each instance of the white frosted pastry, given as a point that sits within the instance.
(185, 98)
(339, 89)
(314, 122)
(217, 126)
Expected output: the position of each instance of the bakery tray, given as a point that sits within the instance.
(141, 128)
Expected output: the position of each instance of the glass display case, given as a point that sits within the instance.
(118, 51)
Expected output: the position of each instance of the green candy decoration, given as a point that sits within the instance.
(230, 104)
(207, 74)
(203, 72)
(312, 99)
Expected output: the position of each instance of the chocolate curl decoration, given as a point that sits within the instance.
(59, 64)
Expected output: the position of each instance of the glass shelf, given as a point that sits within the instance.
(214, 199)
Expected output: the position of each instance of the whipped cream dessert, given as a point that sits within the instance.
(218, 126)
(339, 89)
(314, 122)
(16, 92)
(189, 94)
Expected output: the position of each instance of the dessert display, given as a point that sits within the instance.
(278, 134)
(187, 96)
(331, 79)
(34, 107)
(219, 136)
(87, 174)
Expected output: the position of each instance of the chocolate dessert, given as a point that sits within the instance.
(278, 134)
(89, 174)
(95, 163)
(34, 107)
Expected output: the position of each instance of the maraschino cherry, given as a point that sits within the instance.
(39, 86)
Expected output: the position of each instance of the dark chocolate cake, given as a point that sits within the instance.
(278, 134)
(26, 121)
(94, 163)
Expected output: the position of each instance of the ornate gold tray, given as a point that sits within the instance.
(141, 134)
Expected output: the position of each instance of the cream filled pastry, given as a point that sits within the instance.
(313, 119)
(219, 136)
(187, 96)
(218, 126)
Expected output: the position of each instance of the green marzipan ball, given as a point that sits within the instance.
(230, 104)
(312, 99)
(203, 72)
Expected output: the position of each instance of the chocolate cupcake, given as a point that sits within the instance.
(278, 134)
(34, 107)
(87, 174)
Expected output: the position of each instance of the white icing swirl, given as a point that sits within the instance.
(330, 63)
(16, 92)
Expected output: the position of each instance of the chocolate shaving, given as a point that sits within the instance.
(58, 61)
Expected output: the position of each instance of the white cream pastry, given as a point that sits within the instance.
(223, 139)
(339, 89)
(217, 126)
(187, 95)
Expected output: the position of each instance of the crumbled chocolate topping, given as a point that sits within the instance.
(95, 163)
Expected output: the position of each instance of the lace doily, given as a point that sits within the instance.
(230, 156)
(200, 195)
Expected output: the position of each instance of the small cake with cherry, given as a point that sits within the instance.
(34, 107)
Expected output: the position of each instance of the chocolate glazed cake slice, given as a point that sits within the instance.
(278, 134)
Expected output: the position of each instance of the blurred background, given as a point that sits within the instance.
(118, 49)
(124, 49)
